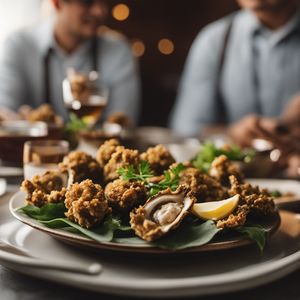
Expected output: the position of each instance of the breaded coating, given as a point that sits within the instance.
(106, 150)
(83, 165)
(159, 158)
(119, 118)
(252, 201)
(124, 195)
(47, 188)
(81, 87)
(122, 158)
(144, 228)
(221, 168)
(259, 201)
(203, 186)
(44, 113)
(86, 204)
(235, 219)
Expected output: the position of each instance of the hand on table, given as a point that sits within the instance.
(251, 127)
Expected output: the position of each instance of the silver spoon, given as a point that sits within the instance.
(13, 254)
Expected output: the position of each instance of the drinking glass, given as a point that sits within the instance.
(85, 96)
(13, 135)
(40, 156)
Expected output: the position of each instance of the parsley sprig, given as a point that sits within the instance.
(144, 172)
(171, 180)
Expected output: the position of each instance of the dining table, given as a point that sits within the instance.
(17, 286)
(14, 286)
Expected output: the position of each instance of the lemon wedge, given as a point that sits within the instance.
(215, 210)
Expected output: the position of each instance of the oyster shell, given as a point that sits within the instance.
(161, 213)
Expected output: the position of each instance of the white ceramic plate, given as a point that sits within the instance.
(283, 186)
(159, 276)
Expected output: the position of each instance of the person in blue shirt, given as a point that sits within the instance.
(241, 73)
(35, 60)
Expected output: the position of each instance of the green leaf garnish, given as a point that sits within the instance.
(188, 235)
(275, 193)
(103, 233)
(75, 124)
(209, 151)
(171, 180)
(45, 213)
(144, 172)
(257, 233)
(191, 233)
(52, 216)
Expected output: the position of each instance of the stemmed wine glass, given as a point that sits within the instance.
(85, 96)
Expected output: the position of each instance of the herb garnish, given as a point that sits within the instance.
(144, 172)
(256, 233)
(171, 180)
(209, 151)
(75, 124)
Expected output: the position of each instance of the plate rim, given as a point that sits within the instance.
(282, 201)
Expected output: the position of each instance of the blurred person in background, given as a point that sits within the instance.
(35, 60)
(242, 75)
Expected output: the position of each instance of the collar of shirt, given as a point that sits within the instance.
(255, 27)
(46, 40)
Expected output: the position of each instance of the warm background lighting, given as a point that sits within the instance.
(166, 46)
(138, 48)
(121, 12)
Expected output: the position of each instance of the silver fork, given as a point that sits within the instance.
(13, 254)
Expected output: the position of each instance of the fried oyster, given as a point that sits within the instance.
(44, 113)
(86, 204)
(83, 165)
(119, 118)
(47, 188)
(161, 213)
(203, 186)
(106, 150)
(159, 158)
(221, 168)
(124, 195)
(259, 200)
(122, 158)
(252, 201)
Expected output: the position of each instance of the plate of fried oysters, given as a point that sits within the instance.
(124, 200)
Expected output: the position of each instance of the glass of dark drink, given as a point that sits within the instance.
(40, 156)
(85, 96)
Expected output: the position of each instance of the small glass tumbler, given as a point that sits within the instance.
(40, 156)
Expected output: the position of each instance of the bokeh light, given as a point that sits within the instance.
(121, 12)
(166, 46)
(138, 48)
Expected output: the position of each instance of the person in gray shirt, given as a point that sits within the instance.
(35, 60)
(241, 72)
